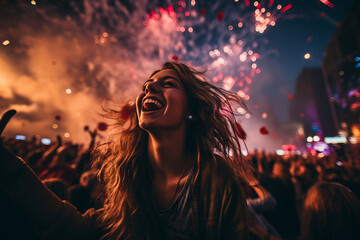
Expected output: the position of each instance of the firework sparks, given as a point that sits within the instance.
(327, 3)
(108, 48)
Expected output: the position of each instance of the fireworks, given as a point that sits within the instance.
(226, 39)
(105, 51)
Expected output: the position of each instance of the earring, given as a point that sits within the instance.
(190, 117)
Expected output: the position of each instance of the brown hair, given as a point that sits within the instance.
(128, 210)
(331, 211)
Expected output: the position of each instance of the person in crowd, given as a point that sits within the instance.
(284, 216)
(167, 174)
(331, 211)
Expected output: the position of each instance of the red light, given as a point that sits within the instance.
(287, 7)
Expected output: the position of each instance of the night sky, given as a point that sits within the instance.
(60, 60)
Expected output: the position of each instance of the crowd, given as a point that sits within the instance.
(175, 170)
(294, 197)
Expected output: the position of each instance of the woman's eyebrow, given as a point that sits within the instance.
(162, 79)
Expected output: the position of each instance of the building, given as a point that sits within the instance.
(311, 105)
(341, 69)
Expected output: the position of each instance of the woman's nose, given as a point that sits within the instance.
(152, 87)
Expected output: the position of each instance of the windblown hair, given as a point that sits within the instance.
(128, 209)
(331, 211)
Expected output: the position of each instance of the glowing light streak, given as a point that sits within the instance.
(241, 110)
(271, 2)
(241, 93)
(327, 3)
(243, 57)
(6, 42)
(228, 83)
(287, 7)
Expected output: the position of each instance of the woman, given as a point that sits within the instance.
(168, 175)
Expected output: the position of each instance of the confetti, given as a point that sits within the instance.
(264, 131)
(126, 112)
(240, 131)
(175, 57)
(220, 16)
(102, 126)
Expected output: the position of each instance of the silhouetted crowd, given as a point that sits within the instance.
(285, 203)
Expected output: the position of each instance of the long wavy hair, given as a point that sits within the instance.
(128, 209)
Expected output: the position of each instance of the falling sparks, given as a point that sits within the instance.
(33, 2)
(307, 56)
(327, 3)
(287, 7)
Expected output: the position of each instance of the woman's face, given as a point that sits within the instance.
(162, 103)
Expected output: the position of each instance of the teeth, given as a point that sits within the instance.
(154, 101)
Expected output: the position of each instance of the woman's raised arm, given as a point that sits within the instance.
(24, 187)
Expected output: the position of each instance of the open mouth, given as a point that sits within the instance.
(151, 104)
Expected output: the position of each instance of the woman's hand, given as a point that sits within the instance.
(5, 119)
(8, 161)
(24, 187)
